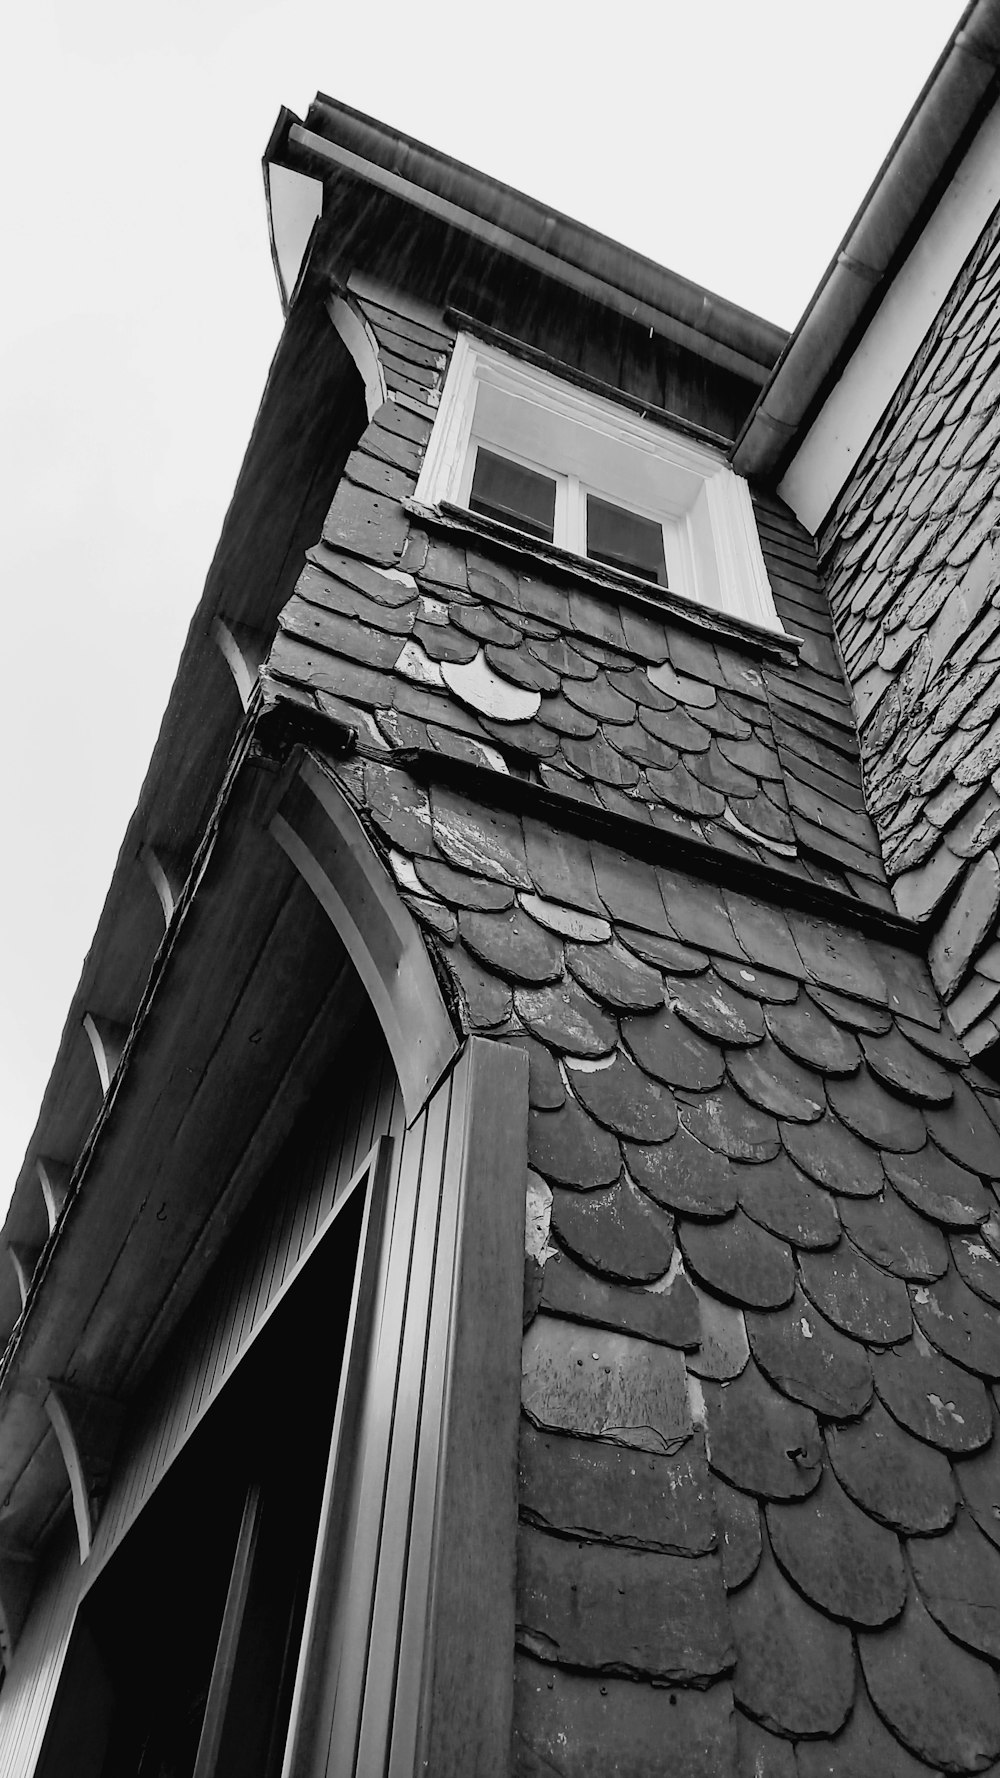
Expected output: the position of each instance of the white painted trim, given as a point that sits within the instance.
(294, 202)
(710, 535)
(360, 341)
(834, 443)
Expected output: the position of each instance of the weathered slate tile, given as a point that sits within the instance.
(624, 1099)
(615, 1610)
(616, 1230)
(958, 1579)
(782, 1199)
(932, 1397)
(604, 1386)
(762, 984)
(716, 1010)
(838, 959)
(938, 1188)
(512, 944)
(678, 787)
(723, 1349)
(901, 1067)
(764, 934)
(669, 1315)
(568, 922)
(486, 1001)
(895, 1237)
(564, 1723)
(676, 728)
(976, 1262)
(665, 953)
(959, 1323)
(759, 1441)
(724, 1120)
(942, 1703)
(629, 890)
(805, 1033)
(598, 697)
(567, 1146)
(615, 976)
(761, 1754)
(739, 1260)
(876, 1116)
(683, 1174)
(460, 889)
(965, 1132)
(898, 1480)
(558, 653)
(563, 718)
(967, 924)
(488, 841)
(979, 1480)
(863, 1749)
(772, 1081)
(546, 1091)
(567, 1019)
(586, 1489)
(838, 1557)
(698, 913)
(858, 1298)
(794, 1667)
(857, 1015)
(560, 867)
(671, 1051)
(810, 1361)
(399, 808)
(739, 1531)
(832, 1155)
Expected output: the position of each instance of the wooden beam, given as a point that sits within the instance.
(87, 1428)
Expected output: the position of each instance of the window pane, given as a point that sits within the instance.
(516, 496)
(624, 540)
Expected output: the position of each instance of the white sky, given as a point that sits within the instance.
(731, 140)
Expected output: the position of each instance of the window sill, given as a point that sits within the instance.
(529, 552)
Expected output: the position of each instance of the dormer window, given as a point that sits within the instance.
(572, 469)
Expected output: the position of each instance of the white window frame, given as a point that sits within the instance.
(589, 444)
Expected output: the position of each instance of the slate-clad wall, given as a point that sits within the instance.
(759, 1482)
(913, 567)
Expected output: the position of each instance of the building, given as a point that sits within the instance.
(577, 792)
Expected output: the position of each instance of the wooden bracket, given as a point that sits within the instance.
(107, 1040)
(17, 1580)
(166, 875)
(24, 1259)
(53, 1177)
(243, 652)
(87, 1427)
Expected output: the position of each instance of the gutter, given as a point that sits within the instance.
(960, 89)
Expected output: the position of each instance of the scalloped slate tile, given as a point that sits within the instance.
(836, 959)
(832, 1155)
(561, 867)
(565, 1723)
(892, 1235)
(488, 841)
(903, 1069)
(932, 1397)
(667, 1048)
(898, 1480)
(942, 1043)
(740, 1260)
(486, 1000)
(764, 933)
(805, 1033)
(666, 953)
(512, 944)
(599, 698)
(978, 1265)
(615, 1230)
(629, 890)
(938, 1188)
(779, 1196)
(773, 1082)
(762, 984)
(604, 1386)
(698, 913)
(546, 1091)
(723, 1348)
(567, 1146)
(942, 1703)
(839, 1558)
(683, 1174)
(566, 1018)
(875, 1115)
(724, 1120)
(858, 1298)
(794, 1667)
(965, 1132)
(959, 1323)
(979, 1479)
(958, 1578)
(740, 1538)
(460, 889)
(857, 1015)
(715, 1009)
(568, 922)
(864, 1749)
(624, 1099)
(759, 1441)
(586, 1489)
(810, 1361)
(615, 977)
(670, 1316)
(612, 1609)
(761, 1754)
